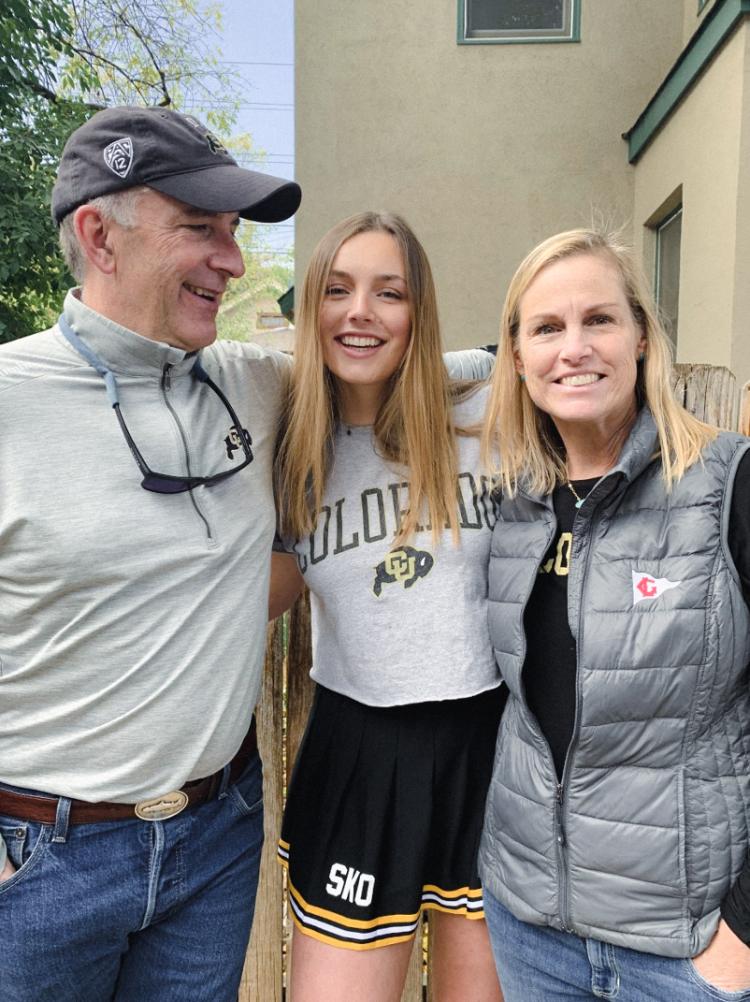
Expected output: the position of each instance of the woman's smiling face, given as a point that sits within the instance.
(365, 316)
(578, 344)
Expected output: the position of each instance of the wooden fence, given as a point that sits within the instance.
(710, 393)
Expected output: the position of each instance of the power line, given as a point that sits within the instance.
(261, 160)
(244, 62)
(214, 102)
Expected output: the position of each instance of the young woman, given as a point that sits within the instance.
(389, 524)
(615, 852)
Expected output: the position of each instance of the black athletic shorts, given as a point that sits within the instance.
(384, 814)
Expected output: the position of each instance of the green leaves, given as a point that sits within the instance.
(57, 65)
(32, 39)
(33, 128)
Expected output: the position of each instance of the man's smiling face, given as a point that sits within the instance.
(172, 268)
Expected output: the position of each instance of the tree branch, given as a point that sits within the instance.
(167, 99)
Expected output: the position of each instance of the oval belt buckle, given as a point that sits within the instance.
(161, 808)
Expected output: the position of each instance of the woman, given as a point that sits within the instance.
(616, 833)
(384, 812)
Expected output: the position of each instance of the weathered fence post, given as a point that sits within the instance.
(262, 975)
(709, 392)
(744, 425)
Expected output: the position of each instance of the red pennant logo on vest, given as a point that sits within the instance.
(645, 586)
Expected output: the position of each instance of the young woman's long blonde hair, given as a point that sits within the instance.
(413, 427)
(524, 436)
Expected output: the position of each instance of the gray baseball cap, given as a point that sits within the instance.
(120, 148)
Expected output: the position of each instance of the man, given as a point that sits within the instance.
(136, 523)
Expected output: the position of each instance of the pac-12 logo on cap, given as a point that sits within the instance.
(118, 156)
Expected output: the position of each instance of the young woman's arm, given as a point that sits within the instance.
(469, 363)
(286, 583)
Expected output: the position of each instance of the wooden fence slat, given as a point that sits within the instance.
(744, 422)
(707, 391)
(414, 976)
(299, 694)
(262, 974)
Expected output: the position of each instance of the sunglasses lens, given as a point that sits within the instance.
(163, 485)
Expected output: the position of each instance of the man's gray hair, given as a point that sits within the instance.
(120, 208)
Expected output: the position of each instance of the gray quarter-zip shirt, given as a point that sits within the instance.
(132, 624)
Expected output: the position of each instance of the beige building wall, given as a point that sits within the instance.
(486, 149)
(704, 150)
(692, 17)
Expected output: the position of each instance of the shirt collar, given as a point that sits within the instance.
(121, 349)
(639, 449)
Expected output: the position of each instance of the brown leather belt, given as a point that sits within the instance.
(28, 807)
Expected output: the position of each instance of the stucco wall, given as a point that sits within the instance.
(485, 149)
(704, 147)
(692, 18)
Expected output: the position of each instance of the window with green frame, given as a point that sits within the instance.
(497, 21)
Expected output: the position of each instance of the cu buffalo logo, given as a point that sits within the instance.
(406, 565)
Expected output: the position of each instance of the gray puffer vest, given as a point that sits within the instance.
(640, 841)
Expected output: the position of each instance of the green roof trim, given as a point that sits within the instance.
(716, 27)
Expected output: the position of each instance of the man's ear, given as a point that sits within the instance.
(94, 233)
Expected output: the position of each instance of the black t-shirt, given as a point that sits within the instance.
(549, 671)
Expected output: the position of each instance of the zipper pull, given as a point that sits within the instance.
(166, 379)
(560, 832)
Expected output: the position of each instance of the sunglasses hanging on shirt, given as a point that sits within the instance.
(161, 483)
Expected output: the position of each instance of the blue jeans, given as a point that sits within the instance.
(136, 911)
(539, 964)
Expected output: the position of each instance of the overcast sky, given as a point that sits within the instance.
(258, 38)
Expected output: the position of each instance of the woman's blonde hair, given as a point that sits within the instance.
(524, 436)
(413, 427)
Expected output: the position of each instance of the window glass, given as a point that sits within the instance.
(518, 20)
(516, 15)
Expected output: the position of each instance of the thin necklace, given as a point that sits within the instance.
(576, 495)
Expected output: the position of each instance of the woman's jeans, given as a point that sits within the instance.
(539, 964)
(135, 911)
